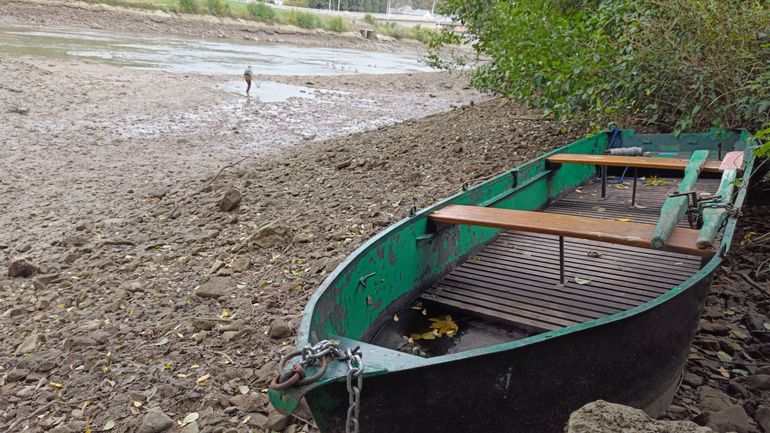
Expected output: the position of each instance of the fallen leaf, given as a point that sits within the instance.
(395, 317)
(57, 385)
(625, 220)
(245, 420)
(740, 372)
(694, 357)
(192, 416)
(201, 381)
(724, 356)
(599, 209)
(109, 425)
(723, 371)
(767, 326)
(181, 376)
(738, 334)
(582, 281)
(136, 403)
(526, 253)
(424, 312)
(224, 314)
(160, 342)
(428, 336)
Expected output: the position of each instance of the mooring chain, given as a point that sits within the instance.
(320, 353)
(355, 372)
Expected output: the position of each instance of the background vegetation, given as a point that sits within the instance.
(675, 64)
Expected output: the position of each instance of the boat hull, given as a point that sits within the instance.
(635, 360)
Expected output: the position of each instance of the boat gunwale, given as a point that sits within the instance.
(418, 362)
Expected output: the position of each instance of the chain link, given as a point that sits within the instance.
(311, 356)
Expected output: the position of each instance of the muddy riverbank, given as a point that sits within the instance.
(105, 17)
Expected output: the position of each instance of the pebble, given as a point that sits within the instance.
(731, 419)
(249, 402)
(762, 416)
(190, 428)
(240, 264)
(758, 382)
(155, 421)
(230, 199)
(21, 268)
(215, 288)
(258, 420)
(29, 345)
(61, 428)
(17, 375)
(276, 420)
(714, 328)
(713, 399)
(279, 329)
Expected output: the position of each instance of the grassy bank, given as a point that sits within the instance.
(263, 12)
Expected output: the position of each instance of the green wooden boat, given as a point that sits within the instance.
(578, 276)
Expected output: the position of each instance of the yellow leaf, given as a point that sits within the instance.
(428, 336)
(625, 220)
(723, 371)
(415, 337)
(181, 376)
(201, 381)
(224, 314)
(694, 357)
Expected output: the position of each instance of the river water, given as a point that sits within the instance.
(200, 56)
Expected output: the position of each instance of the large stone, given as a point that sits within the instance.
(713, 399)
(270, 235)
(215, 288)
(258, 420)
(230, 200)
(603, 417)
(758, 381)
(762, 416)
(21, 268)
(732, 419)
(155, 421)
(279, 330)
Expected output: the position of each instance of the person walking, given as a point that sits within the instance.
(247, 74)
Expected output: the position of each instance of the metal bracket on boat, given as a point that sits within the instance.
(695, 206)
(320, 353)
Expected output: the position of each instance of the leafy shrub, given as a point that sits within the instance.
(336, 24)
(189, 6)
(261, 11)
(217, 7)
(369, 18)
(307, 20)
(682, 64)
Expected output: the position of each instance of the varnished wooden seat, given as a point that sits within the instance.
(630, 161)
(625, 233)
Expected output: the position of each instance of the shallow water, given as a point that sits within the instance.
(270, 91)
(197, 55)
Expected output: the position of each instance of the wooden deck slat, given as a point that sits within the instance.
(629, 161)
(503, 284)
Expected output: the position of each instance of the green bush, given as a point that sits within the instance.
(307, 20)
(369, 18)
(217, 7)
(336, 24)
(681, 64)
(261, 11)
(189, 6)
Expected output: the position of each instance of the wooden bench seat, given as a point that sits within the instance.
(630, 161)
(626, 233)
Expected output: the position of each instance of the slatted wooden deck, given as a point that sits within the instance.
(515, 278)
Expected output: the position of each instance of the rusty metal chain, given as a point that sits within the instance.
(319, 354)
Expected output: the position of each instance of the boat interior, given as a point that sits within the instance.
(584, 254)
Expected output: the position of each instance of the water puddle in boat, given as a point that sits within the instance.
(426, 331)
